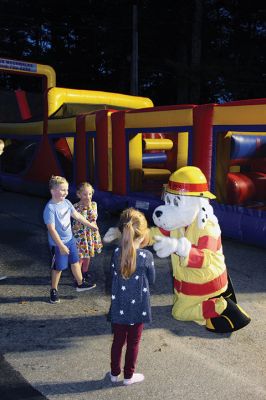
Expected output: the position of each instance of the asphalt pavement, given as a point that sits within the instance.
(62, 351)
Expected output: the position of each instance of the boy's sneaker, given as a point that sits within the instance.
(136, 378)
(2, 278)
(54, 296)
(87, 276)
(85, 286)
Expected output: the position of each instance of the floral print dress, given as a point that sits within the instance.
(88, 240)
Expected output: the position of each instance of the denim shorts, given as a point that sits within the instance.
(61, 262)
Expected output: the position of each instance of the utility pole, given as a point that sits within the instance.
(134, 85)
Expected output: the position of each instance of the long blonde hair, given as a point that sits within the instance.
(133, 226)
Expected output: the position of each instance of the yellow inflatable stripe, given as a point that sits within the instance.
(158, 144)
(49, 72)
(230, 133)
(29, 69)
(70, 142)
(62, 125)
(58, 96)
(182, 149)
(90, 123)
(25, 129)
(234, 168)
(156, 173)
(157, 119)
(240, 115)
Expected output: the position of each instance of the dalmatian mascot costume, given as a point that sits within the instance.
(188, 231)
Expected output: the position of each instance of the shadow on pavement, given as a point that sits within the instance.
(13, 386)
(22, 335)
(81, 386)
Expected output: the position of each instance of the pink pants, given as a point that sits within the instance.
(130, 334)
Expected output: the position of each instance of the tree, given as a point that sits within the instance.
(190, 51)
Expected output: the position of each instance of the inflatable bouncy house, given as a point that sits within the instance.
(50, 130)
(227, 142)
(127, 148)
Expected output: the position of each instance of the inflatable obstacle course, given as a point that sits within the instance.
(127, 148)
(42, 142)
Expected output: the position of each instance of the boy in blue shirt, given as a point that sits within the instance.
(57, 217)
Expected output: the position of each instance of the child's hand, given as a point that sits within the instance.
(64, 250)
(93, 226)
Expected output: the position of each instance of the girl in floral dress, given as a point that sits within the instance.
(88, 240)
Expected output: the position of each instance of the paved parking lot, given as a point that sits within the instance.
(61, 352)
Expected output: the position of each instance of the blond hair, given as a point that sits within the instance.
(56, 181)
(133, 225)
(84, 185)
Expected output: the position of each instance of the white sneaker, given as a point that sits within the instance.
(2, 278)
(113, 377)
(136, 378)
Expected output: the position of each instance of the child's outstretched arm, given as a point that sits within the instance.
(76, 215)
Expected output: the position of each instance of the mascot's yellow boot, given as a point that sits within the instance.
(232, 319)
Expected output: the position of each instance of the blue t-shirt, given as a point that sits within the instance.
(59, 214)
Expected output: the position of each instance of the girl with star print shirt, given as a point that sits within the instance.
(132, 270)
(131, 297)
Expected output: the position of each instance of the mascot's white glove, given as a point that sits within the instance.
(183, 247)
(165, 246)
(111, 235)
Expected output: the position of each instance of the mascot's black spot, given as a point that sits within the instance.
(201, 194)
(203, 209)
(203, 220)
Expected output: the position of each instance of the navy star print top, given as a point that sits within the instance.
(130, 301)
